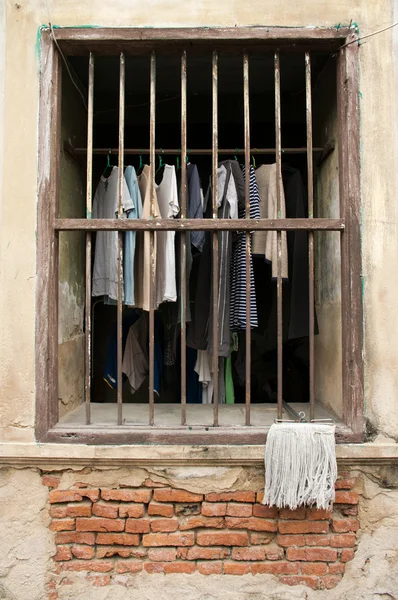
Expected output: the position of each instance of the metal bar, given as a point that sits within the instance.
(308, 96)
(183, 238)
(199, 224)
(215, 234)
(89, 205)
(279, 234)
(120, 245)
(68, 147)
(152, 241)
(246, 109)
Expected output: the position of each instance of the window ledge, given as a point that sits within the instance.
(67, 455)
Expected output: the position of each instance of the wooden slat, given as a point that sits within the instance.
(215, 234)
(310, 173)
(349, 176)
(122, 76)
(279, 234)
(199, 224)
(183, 237)
(89, 208)
(246, 119)
(47, 239)
(152, 129)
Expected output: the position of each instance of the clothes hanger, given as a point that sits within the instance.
(108, 162)
(141, 165)
(254, 163)
(178, 163)
(160, 164)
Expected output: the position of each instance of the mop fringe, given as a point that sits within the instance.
(300, 465)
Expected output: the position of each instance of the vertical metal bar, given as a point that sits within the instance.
(183, 238)
(278, 152)
(247, 234)
(152, 241)
(89, 205)
(120, 244)
(215, 233)
(310, 233)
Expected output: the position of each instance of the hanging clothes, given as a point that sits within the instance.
(142, 271)
(106, 206)
(202, 368)
(238, 267)
(167, 197)
(130, 236)
(229, 382)
(265, 243)
(110, 371)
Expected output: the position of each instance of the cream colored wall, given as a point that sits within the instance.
(19, 184)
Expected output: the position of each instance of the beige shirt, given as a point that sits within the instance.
(142, 276)
(265, 242)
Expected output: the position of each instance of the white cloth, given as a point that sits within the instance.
(202, 368)
(167, 195)
(105, 206)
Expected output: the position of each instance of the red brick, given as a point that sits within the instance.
(273, 552)
(51, 481)
(62, 525)
(121, 539)
(316, 568)
(138, 525)
(261, 538)
(345, 525)
(260, 497)
(311, 582)
(153, 484)
(231, 497)
(168, 539)
(134, 511)
(349, 511)
(58, 512)
(160, 510)
(164, 525)
(345, 484)
(53, 596)
(264, 511)
(336, 569)
(176, 567)
(209, 568)
(99, 524)
(122, 551)
(211, 509)
(316, 540)
(222, 538)
(75, 538)
(63, 553)
(82, 509)
(236, 509)
(99, 566)
(312, 554)
(343, 540)
(347, 554)
(170, 495)
(275, 568)
(86, 552)
(250, 523)
(346, 498)
(196, 553)
(154, 567)
(187, 509)
(254, 553)
(287, 541)
(142, 496)
(200, 521)
(162, 554)
(298, 513)
(318, 514)
(109, 511)
(231, 568)
(56, 496)
(303, 527)
(330, 581)
(129, 566)
(99, 580)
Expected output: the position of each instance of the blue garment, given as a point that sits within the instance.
(129, 237)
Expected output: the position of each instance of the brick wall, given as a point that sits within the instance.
(105, 532)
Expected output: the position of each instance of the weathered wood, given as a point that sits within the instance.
(47, 238)
(246, 124)
(119, 353)
(183, 238)
(152, 282)
(199, 224)
(215, 233)
(350, 200)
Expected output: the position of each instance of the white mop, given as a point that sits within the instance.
(300, 465)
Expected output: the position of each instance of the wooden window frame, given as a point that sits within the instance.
(80, 41)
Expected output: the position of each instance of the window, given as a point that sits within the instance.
(258, 94)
